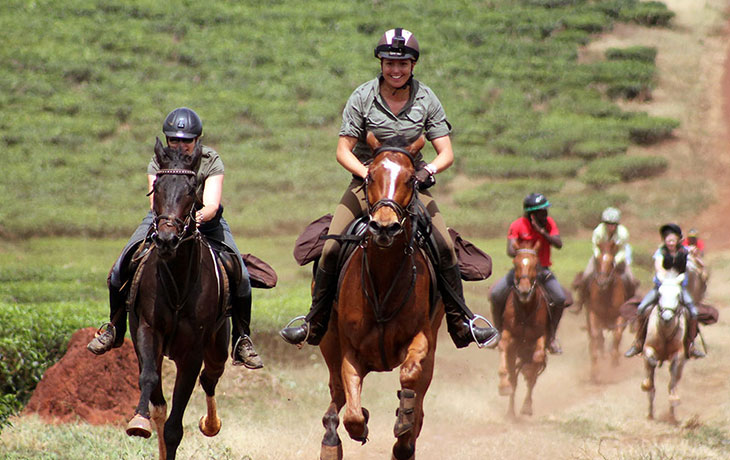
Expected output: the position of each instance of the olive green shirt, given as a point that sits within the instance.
(210, 165)
(366, 111)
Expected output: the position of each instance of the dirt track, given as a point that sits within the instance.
(276, 413)
(573, 417)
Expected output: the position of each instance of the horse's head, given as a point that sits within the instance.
(605, 262)
(389, 190)
(670, 293)
(174, 197)
(525, 263)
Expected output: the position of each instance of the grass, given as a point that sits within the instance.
(89, 81)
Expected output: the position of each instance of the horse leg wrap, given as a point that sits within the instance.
(405, 414)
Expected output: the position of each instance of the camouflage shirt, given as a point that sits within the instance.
(366, 111)
(210, 165)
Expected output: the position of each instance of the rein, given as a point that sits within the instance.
(377, 303)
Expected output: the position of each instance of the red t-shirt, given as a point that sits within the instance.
(521, 230)
(700, 244)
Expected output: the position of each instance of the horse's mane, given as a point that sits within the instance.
(398, 141)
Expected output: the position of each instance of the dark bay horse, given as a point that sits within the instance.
(382, 317)
(178, 309)
(524, 328)
(606, 292)
(665, 340)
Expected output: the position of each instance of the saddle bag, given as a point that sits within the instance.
(261, 274)
(474, 264)
(310, 243)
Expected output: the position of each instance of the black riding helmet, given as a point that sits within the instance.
(397, 43)
(666, 229)
(534, 202)
(183, 123)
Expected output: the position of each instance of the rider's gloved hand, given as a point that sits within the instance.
(424, 178)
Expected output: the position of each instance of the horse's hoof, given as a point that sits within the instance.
(331, 452)
(139, 426)
(526, 409)
(207, 428)
(505, 390)
(647, 385)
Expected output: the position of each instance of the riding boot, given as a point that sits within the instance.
(113, 335)
(553, 345)
(458, 315)
(643, 318)
(243, 353)
(690, 349)
(316, 321)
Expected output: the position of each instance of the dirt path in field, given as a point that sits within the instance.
(275, 413)
(574, 418)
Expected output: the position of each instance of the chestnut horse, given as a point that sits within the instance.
(524, 328)
(696, 279)
(178, 308)
(665, 340)
(606, 293)
(383, 315)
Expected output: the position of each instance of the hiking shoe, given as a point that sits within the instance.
(244, 354)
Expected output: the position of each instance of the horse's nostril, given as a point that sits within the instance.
(393, 228)
(374, 226)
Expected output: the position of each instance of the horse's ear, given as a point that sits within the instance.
(417, 145)
(372, 141)
(160, 153)
(193, 159)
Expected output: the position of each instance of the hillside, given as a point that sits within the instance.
(87, 83)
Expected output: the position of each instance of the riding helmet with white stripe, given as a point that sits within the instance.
(397, 43)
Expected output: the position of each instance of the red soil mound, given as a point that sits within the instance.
(96, 389)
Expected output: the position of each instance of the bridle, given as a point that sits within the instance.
(402, 212)
(533, 283)
(181, 226)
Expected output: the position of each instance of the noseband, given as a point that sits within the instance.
(182, 226)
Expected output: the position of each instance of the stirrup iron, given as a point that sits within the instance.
(298, 318)
(489, 342)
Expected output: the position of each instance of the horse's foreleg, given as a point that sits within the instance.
(356, 417)
(618, 332)
(188, 368)
(648, 383)
(415, 377)
(595, 347)
(216, 355)
(506, 362)
(331, 444)
(158, 413)
(675, 373)
(148, 356)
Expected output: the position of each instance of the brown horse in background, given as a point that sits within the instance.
(177, 301)
(383, 315)
(606, 292)
(696, 278)
(525, 327)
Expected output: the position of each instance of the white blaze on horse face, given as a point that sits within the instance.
(393, 171)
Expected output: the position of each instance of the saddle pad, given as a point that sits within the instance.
(261, 274)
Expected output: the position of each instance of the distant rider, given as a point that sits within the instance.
(670, 256)
(535, 224)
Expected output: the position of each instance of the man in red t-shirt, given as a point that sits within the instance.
(535, 224)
